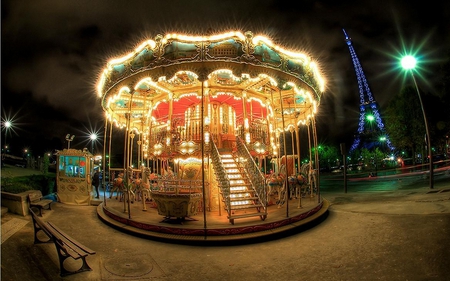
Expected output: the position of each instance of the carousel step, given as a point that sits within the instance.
(244, 182)
(236, 199)
(241, 186)
(248, 198)
(241, 191)
(246, 185)
(236, 173)
(243, 207)
(248, 215)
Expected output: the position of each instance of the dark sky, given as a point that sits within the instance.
(53, 51)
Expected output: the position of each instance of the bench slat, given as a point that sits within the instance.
(41, 223)
(71, 242)
(43, 202)
(35, 196)
(68, 247)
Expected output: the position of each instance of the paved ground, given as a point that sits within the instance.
(402, 234)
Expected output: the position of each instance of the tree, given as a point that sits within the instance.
(45, 164)
(328, 155)
(443, 122)
(404, 121)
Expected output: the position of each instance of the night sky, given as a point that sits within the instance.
(53, 51)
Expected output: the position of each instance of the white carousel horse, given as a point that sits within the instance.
(274, 183)
(310, 176)
(143, 190)
(292, 181)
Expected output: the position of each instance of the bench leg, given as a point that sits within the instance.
(63, 256)
(84, 267)
(39, 209)
(37, 228)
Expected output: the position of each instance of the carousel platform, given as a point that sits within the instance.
(132, 219)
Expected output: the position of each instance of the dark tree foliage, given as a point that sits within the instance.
(404, 121)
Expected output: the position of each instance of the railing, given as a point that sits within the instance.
(177, 198)
(253, 172)
(176, 186)
(221, 176)
(258, 131)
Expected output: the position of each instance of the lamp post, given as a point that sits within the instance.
(409, 63)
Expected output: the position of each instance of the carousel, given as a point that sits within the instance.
(213, 128)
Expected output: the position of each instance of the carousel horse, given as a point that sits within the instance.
(295, 185)
(168, 174)
(120, 189)
(124, 192)
(282, 195)
(276, 184)
(143, 190)
(310, 177)
(292, 181)
(153, 177)
(118, 186)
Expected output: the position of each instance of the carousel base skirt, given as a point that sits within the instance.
(213, 226)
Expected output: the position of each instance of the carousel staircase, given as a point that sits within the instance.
(238, 194)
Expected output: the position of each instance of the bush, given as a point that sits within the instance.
(17, 187)
(44, 183)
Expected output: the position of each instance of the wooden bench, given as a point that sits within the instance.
(36, 201)
(66, 246)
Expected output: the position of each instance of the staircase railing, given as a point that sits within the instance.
(221, 175)
(254, 173)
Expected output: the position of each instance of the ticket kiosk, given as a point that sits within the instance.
(74, 176)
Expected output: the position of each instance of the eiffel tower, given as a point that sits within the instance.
(369, 135)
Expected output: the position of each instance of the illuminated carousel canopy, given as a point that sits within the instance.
(230, 64)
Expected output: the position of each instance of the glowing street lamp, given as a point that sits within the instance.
(409, 63)
(6, 126)
(93, 138)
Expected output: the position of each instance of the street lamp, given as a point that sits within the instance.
(409, 63)
(6, 125)
(69, 139)
(93, 137)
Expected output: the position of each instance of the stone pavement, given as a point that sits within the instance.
(395, 235)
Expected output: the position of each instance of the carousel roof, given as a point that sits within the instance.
(225, 67)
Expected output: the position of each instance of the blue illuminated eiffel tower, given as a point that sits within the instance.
(369, 136)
